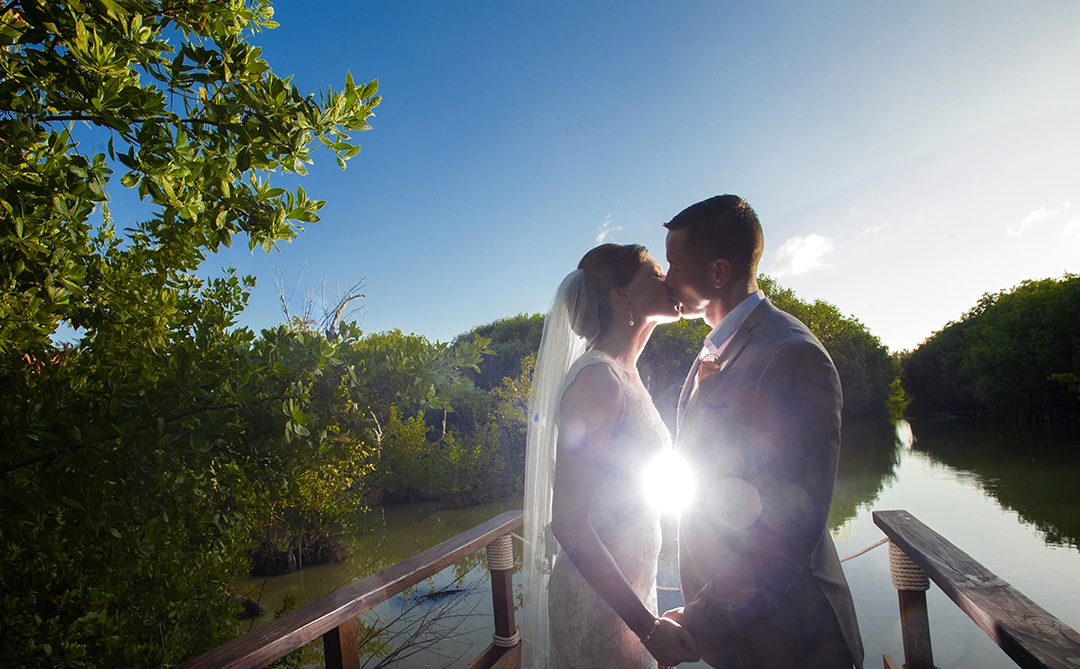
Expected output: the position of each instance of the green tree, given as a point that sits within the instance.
(133, 461)
(501, 391)
(361, 401)
(1015, 354)
(412, 386)
(512, 340)
(934, 374)
(867, 370)
(512, 420)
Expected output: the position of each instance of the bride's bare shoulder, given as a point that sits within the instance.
(594, 397)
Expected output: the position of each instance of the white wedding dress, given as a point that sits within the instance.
(585, 631)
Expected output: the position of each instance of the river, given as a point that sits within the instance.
(1005, 494)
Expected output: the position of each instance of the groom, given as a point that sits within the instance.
(759, 420)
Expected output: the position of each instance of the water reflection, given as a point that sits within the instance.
(981, 485)
(1031, 469)
(868, 459)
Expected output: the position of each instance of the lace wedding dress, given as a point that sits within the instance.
(585, 631)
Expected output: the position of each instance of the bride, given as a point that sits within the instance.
(592, 539)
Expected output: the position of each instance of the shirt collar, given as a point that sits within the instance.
(730, 324)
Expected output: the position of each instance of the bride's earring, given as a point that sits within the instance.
(631, 318)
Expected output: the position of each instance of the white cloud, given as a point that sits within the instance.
(799, 255)
(1029, 220)
(607, 231)
(1034, 217)
(874, 230)
(1071, 228)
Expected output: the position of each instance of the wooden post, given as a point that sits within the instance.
(502, 602)
(340, 647)
(911, 584)
(915, 627)
(500, 556)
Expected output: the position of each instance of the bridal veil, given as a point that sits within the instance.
(572, 322)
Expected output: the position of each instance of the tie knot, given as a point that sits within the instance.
(710, 365)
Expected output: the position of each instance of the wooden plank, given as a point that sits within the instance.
(495, 657)
(889, 662)
(511, 659)
(1029, 634)
(274, 640)
(488, 658)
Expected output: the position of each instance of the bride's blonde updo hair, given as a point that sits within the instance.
(607, 266)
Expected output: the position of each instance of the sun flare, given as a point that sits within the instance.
(668, 482)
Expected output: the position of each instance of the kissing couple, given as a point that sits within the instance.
(758, 425)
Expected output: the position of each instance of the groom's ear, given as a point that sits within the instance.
(721, 272)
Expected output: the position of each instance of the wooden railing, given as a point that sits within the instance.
(1031, 636)
(334, 617)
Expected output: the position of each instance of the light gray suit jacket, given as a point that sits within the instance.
(760, 574)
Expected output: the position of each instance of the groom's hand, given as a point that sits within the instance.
(676, 615)
(671, 643)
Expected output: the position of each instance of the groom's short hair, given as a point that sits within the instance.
(723, 226)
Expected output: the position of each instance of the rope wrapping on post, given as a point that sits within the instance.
(906, 575)
(506, 641)
(500, 554)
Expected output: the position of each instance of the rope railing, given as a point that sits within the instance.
(673, 588)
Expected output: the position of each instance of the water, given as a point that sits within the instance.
(1004, 494)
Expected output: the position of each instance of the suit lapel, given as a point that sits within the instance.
(687, 389)
(743, 335)
(738, 342)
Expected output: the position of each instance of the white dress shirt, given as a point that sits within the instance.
(718, 339)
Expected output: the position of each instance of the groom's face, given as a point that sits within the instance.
(688, 277)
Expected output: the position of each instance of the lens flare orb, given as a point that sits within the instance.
(668, 482)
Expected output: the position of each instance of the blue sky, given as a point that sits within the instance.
(904, 157)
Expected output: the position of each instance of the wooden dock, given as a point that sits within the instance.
(1031, 636)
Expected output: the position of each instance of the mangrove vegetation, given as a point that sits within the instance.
(1015, 355)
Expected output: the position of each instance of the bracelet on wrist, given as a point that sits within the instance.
(655, 625)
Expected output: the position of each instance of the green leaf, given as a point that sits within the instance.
(113, 9)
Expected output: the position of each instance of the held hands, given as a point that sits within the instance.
(670, 643)
(676, 615)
